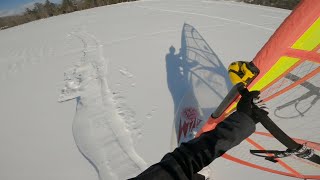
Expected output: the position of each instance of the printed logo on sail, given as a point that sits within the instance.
(188, 121)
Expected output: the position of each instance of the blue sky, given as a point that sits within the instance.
(9, 7)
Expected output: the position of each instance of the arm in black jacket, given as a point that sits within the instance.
(190, 157)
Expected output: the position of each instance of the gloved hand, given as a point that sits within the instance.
(259, 110)
(245, 103)
(260, 104)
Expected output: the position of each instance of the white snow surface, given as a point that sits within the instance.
(108, 67)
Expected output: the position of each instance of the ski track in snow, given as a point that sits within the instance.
(102, 122)
(245, 5)
(151, 34)
(208, 16)
(124, 71)
(274, 17)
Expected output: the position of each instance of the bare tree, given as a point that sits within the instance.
(50, 8)
(47, 9)
(67, 6)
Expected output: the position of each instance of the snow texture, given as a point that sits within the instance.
(108, 67)
(99, 129)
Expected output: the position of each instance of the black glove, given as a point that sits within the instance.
(259, 109)
(245, 103)
(258, 113)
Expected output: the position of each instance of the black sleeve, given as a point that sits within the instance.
(190, 157)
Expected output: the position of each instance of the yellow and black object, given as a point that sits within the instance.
(242, 71)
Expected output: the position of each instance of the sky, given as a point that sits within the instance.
(11, 7)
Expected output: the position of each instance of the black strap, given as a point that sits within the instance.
(279, 134)
(295, 148)
(272, 158)
(272, 155)
(315, 158)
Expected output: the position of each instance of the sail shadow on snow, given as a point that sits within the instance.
(195, 76)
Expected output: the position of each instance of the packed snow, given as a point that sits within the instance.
(90, 95)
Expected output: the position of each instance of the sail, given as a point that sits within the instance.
(289, 82)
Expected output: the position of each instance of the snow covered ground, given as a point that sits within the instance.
(110, 63)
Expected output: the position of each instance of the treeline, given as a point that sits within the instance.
(48, 9)
(284, 4)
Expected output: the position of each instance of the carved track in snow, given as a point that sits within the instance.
(99, 131)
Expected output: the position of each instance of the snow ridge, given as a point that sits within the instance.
(99, 129)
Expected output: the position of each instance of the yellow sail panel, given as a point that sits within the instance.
(310, 39)
(282, 65)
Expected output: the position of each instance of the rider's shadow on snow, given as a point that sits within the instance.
(197, 68)
(177, 82)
